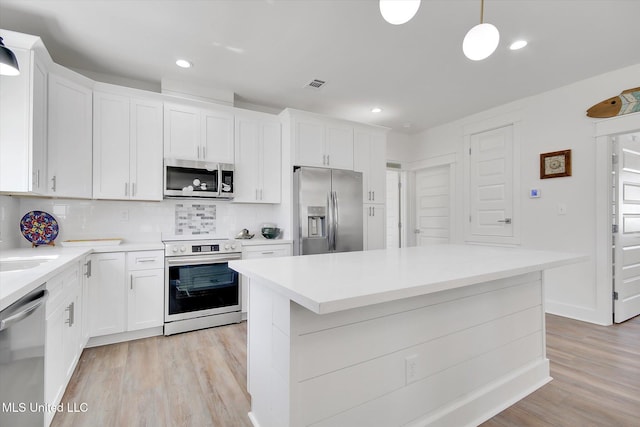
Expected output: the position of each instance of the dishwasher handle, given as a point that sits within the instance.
(25, 311)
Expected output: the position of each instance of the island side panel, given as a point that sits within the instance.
(460, 355)
(268, 356)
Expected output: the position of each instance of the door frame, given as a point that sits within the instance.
(449, 160)
(604, 130)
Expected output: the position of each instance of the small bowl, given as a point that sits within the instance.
(270, 232)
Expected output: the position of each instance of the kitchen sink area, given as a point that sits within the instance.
(15, 264)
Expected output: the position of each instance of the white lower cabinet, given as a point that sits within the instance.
(106, 296)
(145, 299)
(374, 226)
(267, 250)
(64, 343)
(126, 292)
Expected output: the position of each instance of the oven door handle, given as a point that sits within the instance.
(194, 260)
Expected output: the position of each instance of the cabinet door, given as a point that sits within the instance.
(362, 160)
(378, 168)
(181, 132)
(309, 137)
(107, 304)
(374, 227)
(217, 136)
(146, 299)
(271, 163)
(339, 146)
(39, 122)
(70, 139)
(110, 146)
(23, 132)
(247, 160)
(145, 150)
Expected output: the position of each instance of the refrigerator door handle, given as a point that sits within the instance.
(330, 221)
(334, 195)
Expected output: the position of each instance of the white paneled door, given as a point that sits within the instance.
(393, 209)
(491, 186)
(433, 205)
(626, 281)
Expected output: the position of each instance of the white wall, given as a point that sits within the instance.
(551, 121)
(133, 221)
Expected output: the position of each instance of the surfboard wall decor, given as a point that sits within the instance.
(625, 103)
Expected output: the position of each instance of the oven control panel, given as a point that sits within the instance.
(178, 248)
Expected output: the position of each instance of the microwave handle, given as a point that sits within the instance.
(219, 179)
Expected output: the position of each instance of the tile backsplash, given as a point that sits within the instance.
(133, 221)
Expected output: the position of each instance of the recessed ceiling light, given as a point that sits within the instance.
(376, 110)
(183, 63)
(518, 44)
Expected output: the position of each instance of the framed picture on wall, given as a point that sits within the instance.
(555, 164)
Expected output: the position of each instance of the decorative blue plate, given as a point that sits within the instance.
(40, 228)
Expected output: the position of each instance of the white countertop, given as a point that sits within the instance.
(255, 241)
(15, 284)
(334, 282)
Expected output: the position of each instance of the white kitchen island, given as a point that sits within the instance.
(433, 336)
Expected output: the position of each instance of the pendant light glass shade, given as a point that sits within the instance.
(8, 61)
(480, 42)
(398, 12)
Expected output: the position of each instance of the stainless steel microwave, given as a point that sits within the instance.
(194, 178)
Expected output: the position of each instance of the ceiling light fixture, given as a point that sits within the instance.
(518, 44)
(183, 63)
(8, 61)
(376, 110)
(482, 40)
(398, 12)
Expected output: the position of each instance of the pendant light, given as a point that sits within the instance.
(8, 61)
(482, 40)
(398, 12)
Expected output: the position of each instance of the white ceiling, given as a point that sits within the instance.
(266, 51)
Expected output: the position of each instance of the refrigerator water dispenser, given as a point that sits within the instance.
(316, 216)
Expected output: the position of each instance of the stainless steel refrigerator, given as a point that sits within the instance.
(327, 211)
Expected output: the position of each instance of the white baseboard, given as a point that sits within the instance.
(471, 411)
(124, 336)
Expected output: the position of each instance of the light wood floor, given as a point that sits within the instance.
(199, 379)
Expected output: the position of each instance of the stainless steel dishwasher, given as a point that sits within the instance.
(22, 336)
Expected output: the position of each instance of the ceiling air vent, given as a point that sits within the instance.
(315, 84)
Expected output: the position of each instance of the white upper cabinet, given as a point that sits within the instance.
(370, 148)
(257, 158)
(193, 133)
(127, 138)
(322, 142)
(70, 138)
(217, 136)
(23, 126)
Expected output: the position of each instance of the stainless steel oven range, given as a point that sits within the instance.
(201, 290)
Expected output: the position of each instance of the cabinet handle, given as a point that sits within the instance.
(324, 159)
(373, 196)
(261, 194)
(204, 153)
(198, 151)
(53, 183)
(256, 194)
(267, 253)
(328, 160)
(133, 189)
(70, 309)
(131, 282)
(87, 266)
(126, 189)
(373, 211)
(146, 260)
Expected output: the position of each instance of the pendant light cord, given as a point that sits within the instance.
(481, 11)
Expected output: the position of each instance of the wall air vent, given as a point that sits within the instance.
(315, 84)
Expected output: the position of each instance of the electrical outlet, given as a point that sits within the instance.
(411, 368)
(562, 209)
(124, 215)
